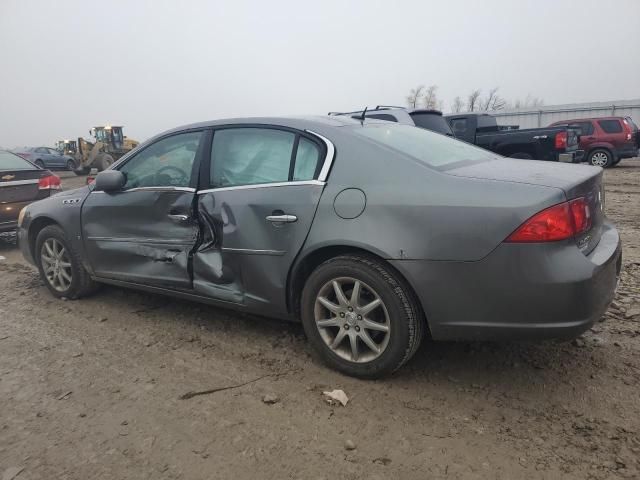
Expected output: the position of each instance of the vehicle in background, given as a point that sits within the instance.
(45, 157)
(21, 182)
(557, 144)
(369, 232)
(67, 147)
(110, 144)
(423, 118)
(605, 140)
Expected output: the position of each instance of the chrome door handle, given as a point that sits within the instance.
(282, 218)
(178, 218)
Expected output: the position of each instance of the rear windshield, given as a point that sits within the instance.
(10, 161)
(432, 121)
(632, 124)
(433, 149)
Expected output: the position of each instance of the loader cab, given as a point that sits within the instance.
(109, 135)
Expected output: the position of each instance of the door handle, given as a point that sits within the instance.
(178, 218)
(282, 218)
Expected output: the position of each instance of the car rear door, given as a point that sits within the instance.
(613, 133)
(262, 187)
(145, 233)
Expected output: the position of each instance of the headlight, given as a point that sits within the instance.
(21, 216)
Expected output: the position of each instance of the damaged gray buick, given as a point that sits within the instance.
(373, 234)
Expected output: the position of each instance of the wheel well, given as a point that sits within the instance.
(606, 149)
(34, 229)
(302, 271)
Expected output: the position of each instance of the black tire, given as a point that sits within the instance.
(103, 162)
(39, 163)
(81, 283)
(600, 157)
(71, 165)
(405, 318)
(524, 156)
(82, 171)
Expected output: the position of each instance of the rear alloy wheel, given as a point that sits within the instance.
(71, 165)
(600, 158)
(39, 163)
(360, 316)
(60, 267)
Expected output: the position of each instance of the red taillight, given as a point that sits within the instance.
(559, 222)
(26, 156)
(561, 140)
(50, 182)
(627, 129)
(90, 180)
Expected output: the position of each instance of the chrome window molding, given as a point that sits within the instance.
(18, 182)
(152, 189)
(328, 159)
(263, 185)
(251, 251)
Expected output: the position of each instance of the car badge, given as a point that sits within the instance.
(8, 177)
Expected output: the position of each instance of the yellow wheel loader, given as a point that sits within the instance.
(110, 144)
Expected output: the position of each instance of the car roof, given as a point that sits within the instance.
(587, 119)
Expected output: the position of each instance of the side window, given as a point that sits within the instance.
(166, 163)
(610, 126)
(307, 164)
(459, 126)
(586, 128)
(247, 156)
(41, 150)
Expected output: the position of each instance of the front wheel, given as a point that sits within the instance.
(60, 266)
(360, 316)
(71, 165)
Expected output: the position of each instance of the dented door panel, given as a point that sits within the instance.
(139, 235)
(244, 257)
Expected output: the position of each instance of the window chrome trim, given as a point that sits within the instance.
(251, 251)
(151, 189)
(18, 182)
(263, 185)
(328, 159)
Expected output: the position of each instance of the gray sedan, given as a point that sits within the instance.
(370, 233)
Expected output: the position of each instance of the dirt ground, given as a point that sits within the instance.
(91, 390)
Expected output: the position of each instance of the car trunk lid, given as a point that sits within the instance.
(574, 180)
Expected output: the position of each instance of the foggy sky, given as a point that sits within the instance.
(152, 65)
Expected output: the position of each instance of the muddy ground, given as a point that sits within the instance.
(91, 390)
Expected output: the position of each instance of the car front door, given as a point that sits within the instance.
(262, 188)
(587, 134)
(144, 233)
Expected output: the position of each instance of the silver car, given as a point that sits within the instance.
(370, 233)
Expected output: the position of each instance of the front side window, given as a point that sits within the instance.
(432, 149)
(610, 126)
(585, 127)
(166, 163)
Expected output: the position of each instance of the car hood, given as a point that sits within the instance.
(534, 172)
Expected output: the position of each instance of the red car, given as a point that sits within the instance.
(606, 140)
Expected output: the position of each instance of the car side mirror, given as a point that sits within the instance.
(110, 181)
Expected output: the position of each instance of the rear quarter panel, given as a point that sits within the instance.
(415, 212)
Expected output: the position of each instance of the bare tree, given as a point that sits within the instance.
(431, 99)
(473, 101)
(413, 99)
(458, 105)
(493, 101)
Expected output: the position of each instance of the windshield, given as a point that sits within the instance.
(433, 149)
(9, 161)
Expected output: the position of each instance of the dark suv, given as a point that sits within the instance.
(606, 140)
(419, 117)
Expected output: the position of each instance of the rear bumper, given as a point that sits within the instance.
(519, 291)
(571, 157)
(628, 152)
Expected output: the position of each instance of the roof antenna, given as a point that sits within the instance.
(362, 116)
